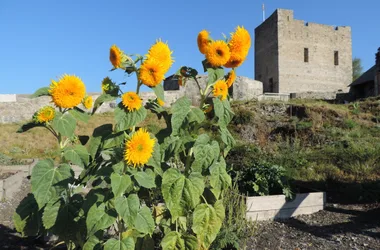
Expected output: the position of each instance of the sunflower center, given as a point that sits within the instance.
(219, 52)
(140, 147)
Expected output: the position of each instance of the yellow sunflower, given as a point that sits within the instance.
(239, 45)
(220, 89)
(88, 102)
(160, 51)
(131, 101)
(117, 57)
(231, 78)
(218, 53)
(233, 62)
(160, 102)
(45, 114)
(203, 41)
(139, 148)
(151, 72)
(106, 84)
(68, 91)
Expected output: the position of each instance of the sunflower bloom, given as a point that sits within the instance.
(139, 149)
(160, 102)
(131, 101)
(151, 72)
(160, 51)
(231, 77)
(239, 45)
(218, 53)
(117, 57)
(45, 114)
(68, 91)
(208, 109)
(220, 89)
(106, 84)
(88, 102)
(203, 41)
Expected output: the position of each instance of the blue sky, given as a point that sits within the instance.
(43, 39)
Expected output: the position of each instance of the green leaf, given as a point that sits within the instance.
(79, 114)
(159, 91)
(126, 119)
(181, 193)
(180, 110)
(206, 224)
(219, 179)
(146, 243)
(155, 160)
(98, 218)
(191, 242)
(128, 208)
(214, 74)
(120, 184)
(219, 209)
(48, 182)
(144, 221)
(27, 218)
(173, 241)
(222, 111)
(25, 127)
(196, 115)
(101, 99)
(205, 155)
(50, 214)
(41, 92)
(93, 243)
(77, 155)
(227, 139)
(97, 137)
(125, 244)
(144, 180)
(114, 140)
(64, 124)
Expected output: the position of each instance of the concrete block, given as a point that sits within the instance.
(276, 206)
(12, 185)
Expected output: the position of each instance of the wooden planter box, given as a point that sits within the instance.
(276, 207)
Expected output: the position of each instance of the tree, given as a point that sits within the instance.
(357, 68)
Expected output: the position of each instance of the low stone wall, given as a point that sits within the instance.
(316, 95)
(22, 107)
(243, 89)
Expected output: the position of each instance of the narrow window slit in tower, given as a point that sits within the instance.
(306, 54)
(336, 58)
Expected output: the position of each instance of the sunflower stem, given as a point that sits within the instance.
(138, 87)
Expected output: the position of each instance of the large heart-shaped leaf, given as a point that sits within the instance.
(48, 181)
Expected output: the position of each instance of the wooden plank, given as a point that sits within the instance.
(262, 203)
(282, 213)
(1, 190)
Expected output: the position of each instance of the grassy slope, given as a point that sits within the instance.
(319, 141)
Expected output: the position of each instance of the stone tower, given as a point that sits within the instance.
(293, 56)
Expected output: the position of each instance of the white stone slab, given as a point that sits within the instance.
(8, 98)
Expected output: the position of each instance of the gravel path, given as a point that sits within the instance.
(337, 227)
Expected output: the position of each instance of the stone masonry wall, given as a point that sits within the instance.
(292, 37)
(20, 108)
(266, 54)
(23, 108)
(320, 72)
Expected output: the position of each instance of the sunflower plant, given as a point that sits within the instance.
(137, 189)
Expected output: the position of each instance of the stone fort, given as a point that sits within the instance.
(293, 56)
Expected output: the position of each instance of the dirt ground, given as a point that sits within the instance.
(337, 227)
